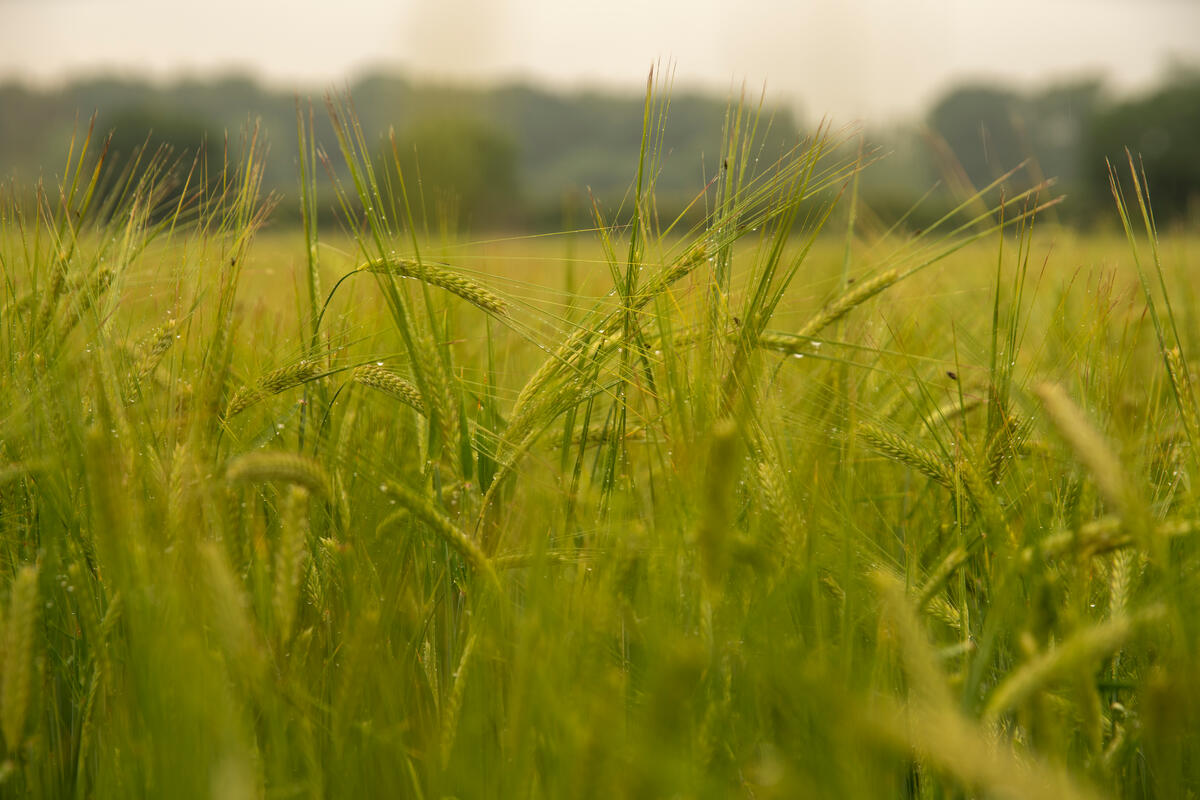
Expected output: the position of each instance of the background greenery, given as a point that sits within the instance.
(544, 154)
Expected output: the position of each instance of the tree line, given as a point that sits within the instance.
(520, 157)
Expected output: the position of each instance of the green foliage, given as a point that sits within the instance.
(750, 513)
(1160, 128)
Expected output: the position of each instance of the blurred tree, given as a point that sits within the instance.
(1057, 120)
(180, 143)
(462, 170)
(138, 128)
(1161, 130)
(990, 131)
(982, 127)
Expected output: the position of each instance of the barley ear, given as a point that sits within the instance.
(289, 560)
(1177, 372)
(899, 449)
(1122, 572)
(280, 467)
(441, 277)
(1095, 454)
(983, 498)
(582, 342)
(150, 355)
(841, 306)
(86, 298)
(57, 288)
(384, 380)
(439, 396)
(1004, 445)
(18, 656)
(1079, 650)
(779, 506)
(453, 704)
(945, 741)
(272, 383)
(423, 510)
(941, 574)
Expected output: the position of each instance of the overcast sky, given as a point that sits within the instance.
(868, 59)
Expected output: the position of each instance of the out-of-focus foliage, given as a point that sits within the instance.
(554, 144)
(982, 127)
(990, 129)
(146, 128)
(981, 132)
(1163, 130)
(546, 146)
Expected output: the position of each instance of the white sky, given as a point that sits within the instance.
(845, 58)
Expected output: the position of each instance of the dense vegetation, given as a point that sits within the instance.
(742, 508)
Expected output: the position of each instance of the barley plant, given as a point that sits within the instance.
(779, 504)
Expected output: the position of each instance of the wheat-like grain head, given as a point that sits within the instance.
(280, 467)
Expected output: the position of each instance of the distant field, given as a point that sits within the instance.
(780, 506)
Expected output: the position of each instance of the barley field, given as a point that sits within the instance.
(784, 504)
